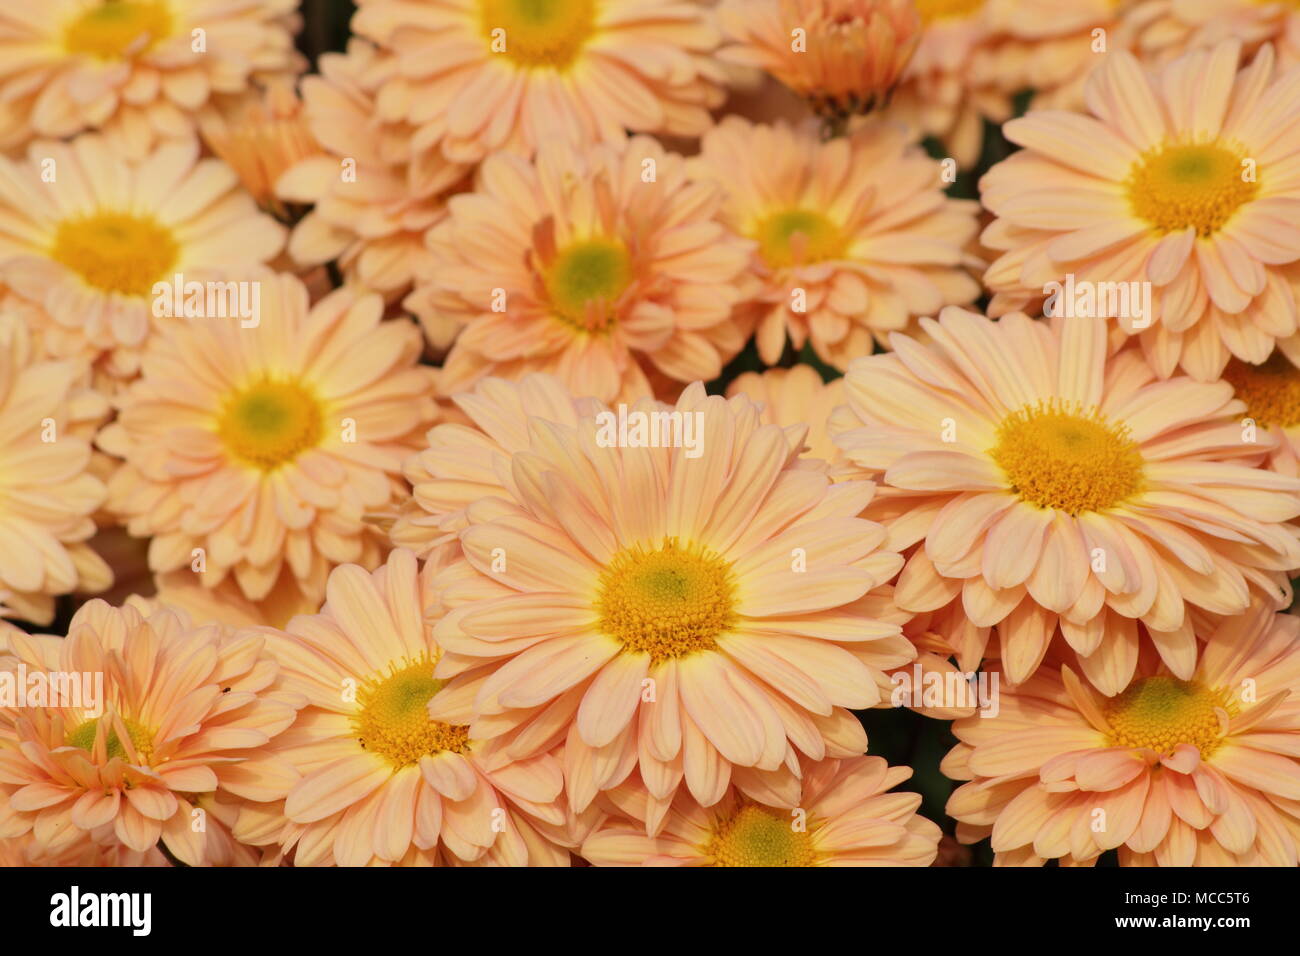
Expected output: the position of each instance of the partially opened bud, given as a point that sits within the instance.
(843, 56)
(260, 133)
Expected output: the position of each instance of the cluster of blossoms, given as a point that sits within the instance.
(533, 434)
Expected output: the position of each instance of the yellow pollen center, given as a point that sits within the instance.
(393, 716)
(668, 602)
(118, 29)
(585, 281)
(116, 252)
(1163, 712)
(1271, 391)
(83, 736)
(932, 11)
(760, 836)
(1172, 187)
(270, 423)
(799, 237)
(1057, 456)
(538, 33)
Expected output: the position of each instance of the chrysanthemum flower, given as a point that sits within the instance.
(464, 462)
(1193, 771)
(373, 199)
(138, 69)
(1161, 30)
(185, 711)
(844, 817)
(1177, 179)
(585, 264)
(1043, 481)
(681, 611)
(477, 76)
(85, 234)
(951, 84)
(48, 490)
(260, 134)
(855, 237)
(1271, 393)
(380, 781)
(250, 450)
(847, 59)
(796, 397)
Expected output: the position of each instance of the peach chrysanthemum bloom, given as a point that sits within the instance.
(466, 461)
(140, 70)
(951, 84)
(86, 234)
(796, 396)
(855, 236)
(1039, 480)
(478, 76)
(373, 198)
(249, 450)
(49, 492)
(1194, 771)
(381, 782)
(1162, 30)
(1177, 180)
(260, 134)
(584, 264)
(844, 817)
(847, 59)
(681, 610)
(185, 711)
(1271, 393)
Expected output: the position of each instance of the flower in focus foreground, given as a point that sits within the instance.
(1044, 481)
(699, 614)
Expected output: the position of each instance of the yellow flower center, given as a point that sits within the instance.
(118, 29)
(1058, 456)
(799, 237)
(116, 252)
(1271, 391)
(1173, 187)
(760, 836)
(668, 602)
(271, 423)
(935, 10)
(393, 718)
(539, 33)
(585, 281)
(83, 736)
(1163, 712)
